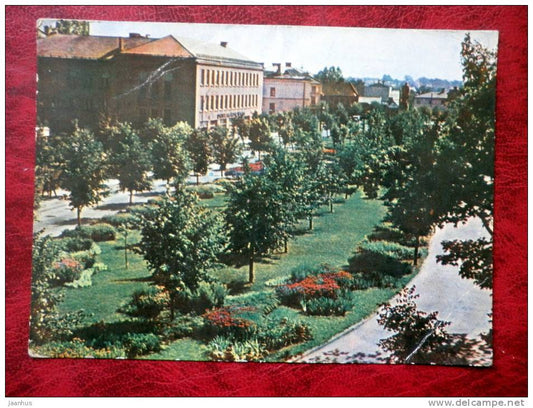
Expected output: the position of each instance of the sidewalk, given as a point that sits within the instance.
(440, 288)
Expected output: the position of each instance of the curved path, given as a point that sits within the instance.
(440, 288)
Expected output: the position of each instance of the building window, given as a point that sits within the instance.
(272, 108)
(272, 92)
(313, 100)
(313, 89)
(202, 77)
(155, 113)
(167, 118)
(168, 90)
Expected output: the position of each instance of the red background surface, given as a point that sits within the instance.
(508, 377)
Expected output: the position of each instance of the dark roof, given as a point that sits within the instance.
(83, 46)
(98, 47)
(338, 89)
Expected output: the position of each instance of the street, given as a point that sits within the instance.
(440, 288)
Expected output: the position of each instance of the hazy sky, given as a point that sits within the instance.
(359, 52)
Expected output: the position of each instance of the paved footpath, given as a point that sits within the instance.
(440, 288)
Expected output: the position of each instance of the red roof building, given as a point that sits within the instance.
(136, 78)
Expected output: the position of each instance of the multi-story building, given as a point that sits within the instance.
(293, 88)
(339, 92)
(133, 79)
(437, 100)
(387, 94)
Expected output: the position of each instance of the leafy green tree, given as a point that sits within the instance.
(199, 150)
(418, 337)
(464, 166)
(241, 127)
(46, 323)
(71, 27)
(256, 218)
(224, 146)
(170, 160)
(288, 173)
(180, 241)
(473, 257)
(421, 338)
(48, 162)
(259, 134)
(130, 160)
(329, 181)
(83, 170)
(331, 74)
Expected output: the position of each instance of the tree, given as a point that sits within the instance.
(180, 241)
(48, 162)
(419, 337)
(464, 165)
(225, 147)
(129, 160)
(331, 74)
(46, 323)
(72, 27)
(255, 217)
(83, 170)
(241, 127)
(259, 134)
(199, 150)
(288, 174)
(170, 160)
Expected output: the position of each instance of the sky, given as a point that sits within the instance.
(359, 52)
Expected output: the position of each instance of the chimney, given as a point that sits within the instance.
(288, 64)
(120, 44)
(277, 64)
(223, 44)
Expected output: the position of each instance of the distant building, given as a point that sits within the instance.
(136, 78)
(387, 94)
(432, 99)
(339, 92)
(293, 88)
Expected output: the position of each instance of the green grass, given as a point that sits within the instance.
(333, 241)
(109, 288)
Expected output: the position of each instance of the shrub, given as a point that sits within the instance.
(66, 270)
(116, 220)
(87, 258)
(146, 303)
(375, 265)
(75, 244)
(207, 296)
(301, 272)
(138, 344)
(276, 334)
(183, 326)
(77, 349)
(324, 306)
(225, 321)
(222, 349)
(102, 232)
(385, 249)
(96, 232)
(311, 287)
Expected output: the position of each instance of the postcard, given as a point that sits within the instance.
(242, 193)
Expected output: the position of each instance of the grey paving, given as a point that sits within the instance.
(440, 288)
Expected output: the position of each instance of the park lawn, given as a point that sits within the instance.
(110, 288)
(333, 241)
